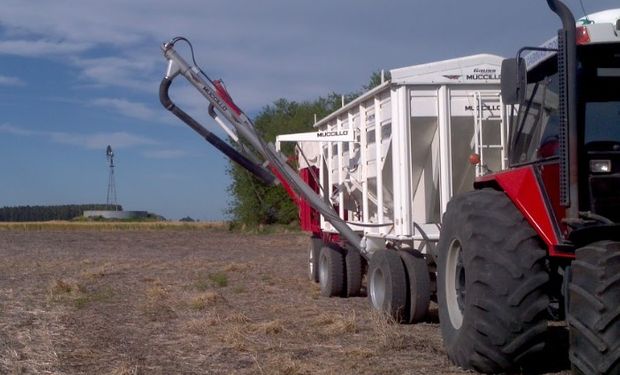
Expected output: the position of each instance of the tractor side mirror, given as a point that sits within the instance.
(513, 80)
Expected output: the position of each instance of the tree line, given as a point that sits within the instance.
(252, 202)
(48, 213)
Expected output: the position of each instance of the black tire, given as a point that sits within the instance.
(353, 262)
(332, 271)
(387, 284)
(418, 286)
(314, 251)
(593, 312)
(491, 284)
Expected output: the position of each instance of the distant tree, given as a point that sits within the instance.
(47, 213)
(187, 219)
(375, 79)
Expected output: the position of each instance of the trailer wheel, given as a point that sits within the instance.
(593, 312)
(491, 284)
(418, 286)
(314, 250)
(353, 261)
(332, 271)
(387, 284)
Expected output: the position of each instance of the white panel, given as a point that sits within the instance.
(424, 107)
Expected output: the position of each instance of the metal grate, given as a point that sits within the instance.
(563, 134)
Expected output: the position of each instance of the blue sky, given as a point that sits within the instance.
(76, 76)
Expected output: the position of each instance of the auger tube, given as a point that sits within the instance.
(222, 103)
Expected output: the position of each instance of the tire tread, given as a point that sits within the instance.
(506, 281)
(593, 316)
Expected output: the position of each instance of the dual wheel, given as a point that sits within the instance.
(337, 270)
(398, 281)
(399, 285)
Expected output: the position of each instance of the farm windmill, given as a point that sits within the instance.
(111, 196)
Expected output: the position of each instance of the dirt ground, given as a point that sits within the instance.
(191, 302)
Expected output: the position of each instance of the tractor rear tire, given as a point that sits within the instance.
(491, 284)
(387, 284)
(314, 251)
(593, 312)
(353, 262)
(332, 271)
(418, 285)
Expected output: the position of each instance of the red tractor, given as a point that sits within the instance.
(540, 241)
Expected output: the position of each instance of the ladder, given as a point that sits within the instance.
(489, 111)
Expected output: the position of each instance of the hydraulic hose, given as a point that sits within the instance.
(259, 171)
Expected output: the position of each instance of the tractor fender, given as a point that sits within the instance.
(524, 187)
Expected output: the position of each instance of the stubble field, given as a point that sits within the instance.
(200, 301)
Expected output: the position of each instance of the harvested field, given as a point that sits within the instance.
(191, 301)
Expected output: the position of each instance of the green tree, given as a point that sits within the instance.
(375, 79)
(254, 203)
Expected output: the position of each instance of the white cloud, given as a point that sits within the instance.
(15, 130)
(87, 141)
(165, 154)
(101, 140)
(39, 48)
(127, 108)
(135, 71)
(11, 81)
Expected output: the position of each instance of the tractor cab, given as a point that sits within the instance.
(532, 84)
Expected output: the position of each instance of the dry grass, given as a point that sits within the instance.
(236, 267)
(126, 369)
(336, 324)
(284, 364)
(389, 334)
(273, 327)
(159, 304)
(71, 292)
(219, 279)
(61, 288)
(98, 271)
(237, 317)
(204, 325)
(143, 302)
(203, 300)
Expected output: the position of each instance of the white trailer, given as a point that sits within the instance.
(390, 160)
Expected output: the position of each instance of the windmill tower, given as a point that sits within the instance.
(111, 197)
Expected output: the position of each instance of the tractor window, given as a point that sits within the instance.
(600, 82)
(535, 130)
(602, 121)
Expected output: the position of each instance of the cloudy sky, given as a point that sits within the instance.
(76, 76)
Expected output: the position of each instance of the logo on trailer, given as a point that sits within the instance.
(483, 74)
(452, 76)
(485, 107)
(332, 133)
